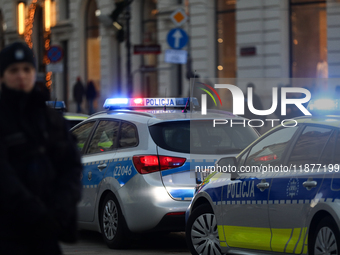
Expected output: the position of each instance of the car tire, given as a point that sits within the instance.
(201, 232)
(112, 223)
(326, 239)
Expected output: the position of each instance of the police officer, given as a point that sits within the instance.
(40, 165)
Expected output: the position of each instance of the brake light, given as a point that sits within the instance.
(153, 163)
(266, 158)
(175, 213)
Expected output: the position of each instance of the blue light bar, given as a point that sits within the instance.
(114, 103)
(56, 104)
(324, 106)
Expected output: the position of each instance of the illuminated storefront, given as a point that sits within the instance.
(227, 39)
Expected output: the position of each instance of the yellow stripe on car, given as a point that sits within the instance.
(248, 237)
(299, 247)
(75, 117)
(293, 240)
(282, 239)
(305, 249)
(221, 233)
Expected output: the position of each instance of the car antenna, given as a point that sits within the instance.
(190, 91)
(165, 100)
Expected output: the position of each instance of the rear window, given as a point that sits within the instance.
(200, 137)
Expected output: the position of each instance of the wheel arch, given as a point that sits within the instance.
(100, 203)
(101, 200)
(201, 201)
(314, 223)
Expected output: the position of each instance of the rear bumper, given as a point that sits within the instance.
(145, 204)
(171, 223)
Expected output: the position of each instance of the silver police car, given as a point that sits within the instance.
(136, 163)
(280, 195)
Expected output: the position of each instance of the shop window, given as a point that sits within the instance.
(53, 13)
(93, 46)
(309, 39)
(150, 82)
(226, 39)
(64, 9)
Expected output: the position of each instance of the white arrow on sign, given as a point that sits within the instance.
(177, 35)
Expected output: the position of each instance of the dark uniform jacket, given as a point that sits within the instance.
(40, 171)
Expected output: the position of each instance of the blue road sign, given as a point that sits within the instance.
(55, 53)
(177, 38)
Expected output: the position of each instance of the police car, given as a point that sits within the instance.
(279, 195)
(136, 163)
(72, 118)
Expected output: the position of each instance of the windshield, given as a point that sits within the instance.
(200, 137)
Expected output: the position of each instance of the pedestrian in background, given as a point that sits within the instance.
(91, 95)
(78, 93)
(40, 165)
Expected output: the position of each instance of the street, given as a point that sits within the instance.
(91, 243)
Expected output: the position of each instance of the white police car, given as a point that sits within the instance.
(137, 163)
(280, 195)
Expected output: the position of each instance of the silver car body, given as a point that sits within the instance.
(145, 199)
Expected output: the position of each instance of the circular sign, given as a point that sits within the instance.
(55, 54)
(177, 38)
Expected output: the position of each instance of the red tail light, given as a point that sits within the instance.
(266, 158)
(175, 213)
(153, 163)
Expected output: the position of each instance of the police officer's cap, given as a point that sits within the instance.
(15, 53)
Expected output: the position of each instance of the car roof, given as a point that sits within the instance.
(159, 115)
(329, 120)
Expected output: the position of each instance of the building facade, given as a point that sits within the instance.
(244, 39)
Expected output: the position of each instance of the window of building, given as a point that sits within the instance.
(2, 38)
(64, 9)
(308, 39)
(53, 13)
(92, 46)
(226, 38)
(149, 33)
(38, 38)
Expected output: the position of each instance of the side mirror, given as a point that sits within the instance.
(227, 165)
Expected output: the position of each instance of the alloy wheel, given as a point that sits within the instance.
(110, 219)
(204, 235)
(325, 243)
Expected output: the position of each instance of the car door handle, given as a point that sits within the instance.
(309, 184)
(263, 185)
(102, 167)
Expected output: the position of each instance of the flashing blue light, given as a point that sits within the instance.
(117, 101)
(324, 106)
(56, 104)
